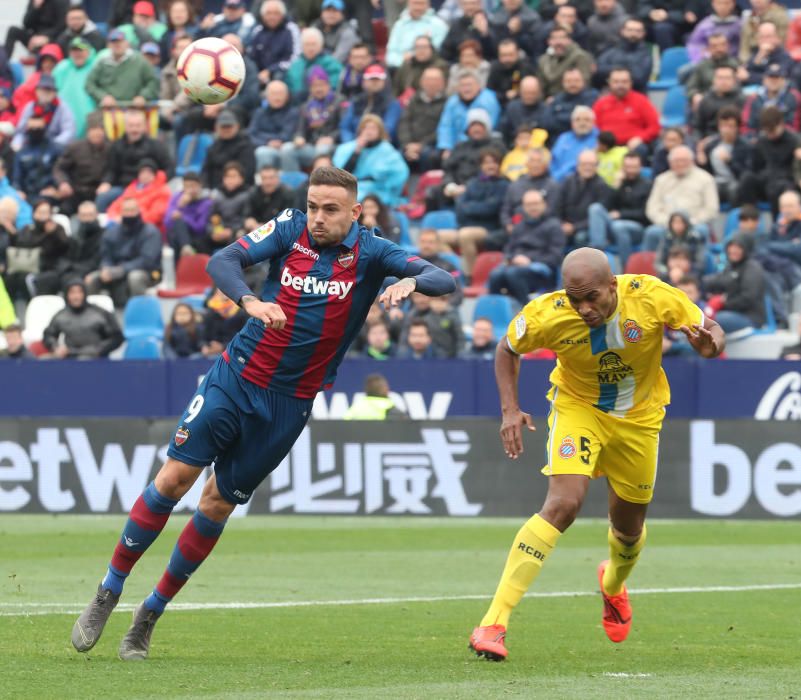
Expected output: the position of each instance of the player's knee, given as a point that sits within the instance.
(212, 504)
(176, 478)
(561, 511)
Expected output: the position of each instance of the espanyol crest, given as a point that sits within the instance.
(632, 333)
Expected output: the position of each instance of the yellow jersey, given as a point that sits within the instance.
(617, 367)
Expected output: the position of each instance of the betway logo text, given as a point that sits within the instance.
(312, 285)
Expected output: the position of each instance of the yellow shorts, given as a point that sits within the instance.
(584, 440)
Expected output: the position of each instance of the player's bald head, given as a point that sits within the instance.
(586, 266)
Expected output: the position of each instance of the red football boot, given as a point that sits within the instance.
(489, 642)
(617, 610)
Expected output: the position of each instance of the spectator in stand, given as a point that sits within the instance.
(85, 243)
(79, 26)
(681, 233)
(515, 20)
(46, 62)
(582, 136)
(228, 210)
(24, 214)
(8, 229)
(768, 51)
(452, 128)
(144, 26)
(376, 98)
(473, 24)
(604, 25)
(407, 77)
(513, 164)
(477, 212)
(379, 345)
(417, 128)
(566, 16)
(538, 178)
(775, 91)
(671, 137)
(43, 23)
(231, 144)
(507, 71)
(527, 110)
(318, 125)
(628, 114)
(275, 41)
(445, 327)
(533, 252)
(740, 286)
(679, 265)
(417, 19)
(631, 52)
(187, 216)
(350, 79)
(173, 101)
(699, 81)
(772, 162)
(88, 331)
(785, 236)
(15, 344)
(723, 21)
(379, 168)
(482, 343)
(726, 154)
(576, 194)
(666, 20)
(267, 199)
(793, 42)
(725, 92)
(375, 403)
(273, 125)
(130, 257)
(8, 119)
(610, 158)
(339, 36)
(121, 75)
(429, 248)
(562, 55)
(183, 335)
(124, 156)
(789, 352)
(181, 22)
(376, 215)
(311, 56)
(418, 345)
(222, 320)
(234, 19)
(574, 93)
(624, 221)
(150, 190)
(684, 187)
(70, 79)
(762, 12)
(470, 58)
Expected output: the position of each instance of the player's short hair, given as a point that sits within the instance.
(748, 212)
(234, 165)
(374, 384)
(334, 177)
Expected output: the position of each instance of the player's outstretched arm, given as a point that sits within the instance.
(418, 276)
(507, 371)
(708, 340)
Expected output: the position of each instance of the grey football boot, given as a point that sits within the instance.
(89, 626)
(136, 642)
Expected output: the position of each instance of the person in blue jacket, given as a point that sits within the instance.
(452, 127)
(583, 136)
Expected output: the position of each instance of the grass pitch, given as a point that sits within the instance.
(325, 641)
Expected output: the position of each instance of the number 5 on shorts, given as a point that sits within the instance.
(194, 409)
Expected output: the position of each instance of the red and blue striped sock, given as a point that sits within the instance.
(194, 545)
(145, 522)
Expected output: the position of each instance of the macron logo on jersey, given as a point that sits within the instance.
(306, 251)
(312, 285)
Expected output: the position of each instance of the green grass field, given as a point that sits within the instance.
(692, 644)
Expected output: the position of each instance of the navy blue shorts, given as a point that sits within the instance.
(244, 430)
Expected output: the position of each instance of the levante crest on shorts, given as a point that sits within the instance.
(632, 333)
(345, 259)
(181, 435)
(568, 448)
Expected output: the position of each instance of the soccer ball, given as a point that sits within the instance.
(210, 71)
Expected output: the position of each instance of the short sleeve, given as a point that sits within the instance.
(674, 308)
(271, 239)
(525, 332)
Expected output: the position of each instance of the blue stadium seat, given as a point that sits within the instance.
(674, 111)
(732, 224)
(192, 152)
(671, 60)
(499, 308)
(142, 348)
(293, 178)
(405, 241)
(102, 27)
(646, 172)
(439, 219)
(142, 317)
(196, 301)
(17, 73)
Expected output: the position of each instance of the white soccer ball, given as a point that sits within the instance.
(210, 71)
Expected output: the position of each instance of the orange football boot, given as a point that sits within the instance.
(489, 642)
(617, 610)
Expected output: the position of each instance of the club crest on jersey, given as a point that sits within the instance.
(568, 448)
(345, 259)
(262, 232)
(635, 284)
(558, 303)
(181, 435)
(632, 333)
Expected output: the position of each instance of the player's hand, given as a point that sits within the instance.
(701, 340)
(271, 315)
(396, 293)
(511, 433)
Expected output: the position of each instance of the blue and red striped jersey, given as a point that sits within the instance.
(325, 293)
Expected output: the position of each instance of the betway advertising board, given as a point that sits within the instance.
(745, 468)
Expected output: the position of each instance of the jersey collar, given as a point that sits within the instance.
(350, 240)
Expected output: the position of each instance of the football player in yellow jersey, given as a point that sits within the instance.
(607, 403)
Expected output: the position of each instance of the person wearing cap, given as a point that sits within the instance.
(311, 55)
(79, 26)
(376, 98)
(275, 41)
(769, 50)
(121, 75)
(416, 20)
(42, 23)
(775, 90)
(318, 124)
(452, 127)
(152, 53)
(234, 19)
(339, 36)
(150, 190)
(46, 62)
(79, 170)
(70, 76)
(274, 124)
(231, 144)
(144, 26)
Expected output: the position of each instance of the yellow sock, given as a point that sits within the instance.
(531, 547)
(622, 558)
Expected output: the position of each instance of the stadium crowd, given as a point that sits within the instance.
(489, 136)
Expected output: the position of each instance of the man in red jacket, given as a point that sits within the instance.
(628, 114)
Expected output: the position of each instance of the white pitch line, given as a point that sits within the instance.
(610, 674)
(19, 609)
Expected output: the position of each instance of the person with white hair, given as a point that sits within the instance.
(311, 55)
(583, 135)
(416, 20)
(275, 42)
